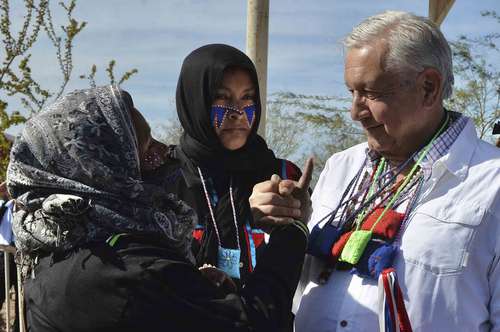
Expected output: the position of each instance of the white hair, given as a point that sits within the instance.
(414, 43)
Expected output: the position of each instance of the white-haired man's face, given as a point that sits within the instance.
(391, 108)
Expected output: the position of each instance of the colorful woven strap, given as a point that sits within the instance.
(392, 315)
(114, 238)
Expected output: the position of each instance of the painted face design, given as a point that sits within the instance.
(219, 113)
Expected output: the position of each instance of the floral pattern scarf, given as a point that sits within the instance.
(75, 175)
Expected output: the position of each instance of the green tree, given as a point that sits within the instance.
(324, 125)
(477, 88)
(169, 132)
(16, 79)
(282, 130)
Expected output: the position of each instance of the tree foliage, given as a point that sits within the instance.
(169, 132)
(16, 73)
(323, 123)
(326, 116)
(282, 129)
(477, 88)
(110, 71)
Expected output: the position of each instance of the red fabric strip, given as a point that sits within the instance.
(388, 296)
(198, 234)
(404, 321)
(291, 171)
(258, 238)
(249, 250)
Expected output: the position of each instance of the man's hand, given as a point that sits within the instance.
(278, 202)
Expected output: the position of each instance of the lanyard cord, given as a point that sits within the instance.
(353, 215)
(374, 180)
(343, 204)
(209, 203)
(331, 215)
(234, 211)
(411, 204)
(409, 176)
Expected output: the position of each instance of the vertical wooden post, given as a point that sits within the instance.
(257, 48)
(438, 9)
(20, 301)
(6, 262)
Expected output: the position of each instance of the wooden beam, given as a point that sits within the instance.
(438, 9)
(257, 45)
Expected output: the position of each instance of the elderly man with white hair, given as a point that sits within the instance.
(405, 227)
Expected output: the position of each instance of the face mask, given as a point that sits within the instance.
(218, 114)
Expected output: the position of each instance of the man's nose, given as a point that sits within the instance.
(359, 108)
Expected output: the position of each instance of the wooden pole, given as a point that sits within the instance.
(257, 48)
(20, 301)
(6, 269)
(438, 9)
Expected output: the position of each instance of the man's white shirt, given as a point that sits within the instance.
(448, 262)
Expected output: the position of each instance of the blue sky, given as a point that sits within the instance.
(154, 36)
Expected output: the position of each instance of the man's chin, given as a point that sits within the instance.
(382, 145)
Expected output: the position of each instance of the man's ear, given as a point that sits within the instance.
(430, 83)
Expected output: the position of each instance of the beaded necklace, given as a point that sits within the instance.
(359, 239)
(322, 239)
(370, 192)
(228, 259)
(389, 177)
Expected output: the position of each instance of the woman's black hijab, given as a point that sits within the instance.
(201, 74)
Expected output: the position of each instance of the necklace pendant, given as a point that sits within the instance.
(355, 246)
(228, 260)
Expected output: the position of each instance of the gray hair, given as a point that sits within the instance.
(414, 43)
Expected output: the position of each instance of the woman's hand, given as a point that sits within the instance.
(219, 278)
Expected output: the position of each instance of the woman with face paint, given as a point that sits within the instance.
(220, 157)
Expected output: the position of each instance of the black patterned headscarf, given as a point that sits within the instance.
(75, 174)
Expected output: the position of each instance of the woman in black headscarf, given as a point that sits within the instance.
(104, 251)
(221, 157)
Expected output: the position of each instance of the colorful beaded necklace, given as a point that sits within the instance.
(228, 259)
(358, 240)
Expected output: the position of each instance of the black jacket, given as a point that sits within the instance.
(138, 285)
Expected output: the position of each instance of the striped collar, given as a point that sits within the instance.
(442, 144)
(439, 147)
